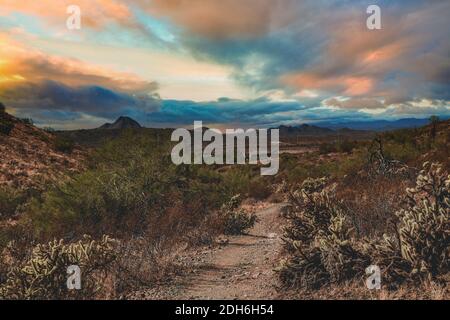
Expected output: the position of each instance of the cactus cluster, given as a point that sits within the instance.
(236, 221)
(319, 238)
(422, 247)
(323, 248)
(43, 274)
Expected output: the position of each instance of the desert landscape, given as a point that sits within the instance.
(191, 153)
(110, 200)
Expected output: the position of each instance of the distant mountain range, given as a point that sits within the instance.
(351, 127)
(376, 125)
(318, 128)
(304, 129)
(122, 123)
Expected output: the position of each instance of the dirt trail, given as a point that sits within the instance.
(242, 269)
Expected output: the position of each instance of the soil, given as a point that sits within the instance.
(241, 268)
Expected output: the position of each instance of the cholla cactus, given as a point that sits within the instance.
(44, 274)
(312, 207)
(236, 221)
(339, 252)
(281, 189)
(421, 248)
(319, 239)
(319, 236)
(385, 253)
(425, 226)
(303, 269)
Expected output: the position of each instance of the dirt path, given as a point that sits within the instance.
(241, 269)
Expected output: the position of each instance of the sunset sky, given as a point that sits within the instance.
(234, 63)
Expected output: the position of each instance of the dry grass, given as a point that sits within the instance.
(356, 290)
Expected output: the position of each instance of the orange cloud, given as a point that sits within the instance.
(225, 18)
(95, 13)
(357, 86)
(20, 63)
(346, 85)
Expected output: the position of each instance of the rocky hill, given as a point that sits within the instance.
(30, 157)
(122, 123)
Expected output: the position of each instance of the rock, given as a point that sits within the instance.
(222, 241)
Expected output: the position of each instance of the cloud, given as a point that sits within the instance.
(406, 60)
(355, 103)
(93, 100)
(318, 53)
(20, 63)
(226, 18)
(323, 46)
(34, 82)
(95, 13)
(261, 112)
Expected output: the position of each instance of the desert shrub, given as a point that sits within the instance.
(43, 274)
(6, 125)
(423, 245)
(401, 136)
(402, 152)
(27, 121)
(259, 188)
(346, 145)
(323, 247)
(371, 203)
(64, 144)
(142, 261)
(236, 221)
(10, 199)
(326, 148)
(130, 184)
(237, 179)
(318, 239)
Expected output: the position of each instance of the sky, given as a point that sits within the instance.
(228, 63)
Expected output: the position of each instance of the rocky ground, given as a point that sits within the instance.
(28, 157)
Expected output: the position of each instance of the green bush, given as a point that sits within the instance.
(236, 221)
(402, 152)
(43, 275)
(346, 146)
(64, 144)
(10, 199)
(6, 125)
(259, 188)
(27, 121)
(130, 183)
(326, 148)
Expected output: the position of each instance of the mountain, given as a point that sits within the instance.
(122, 123)
(378, 125)
(305, 130)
